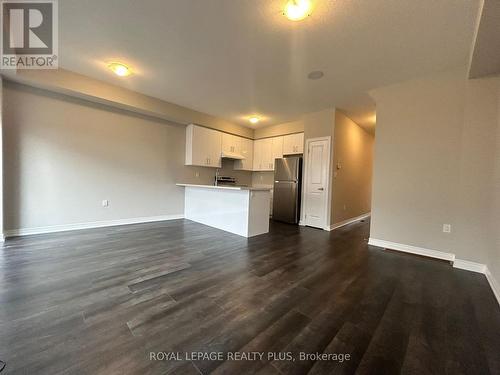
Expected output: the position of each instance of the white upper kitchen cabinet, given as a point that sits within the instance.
(277, 148)
(263, 155)
(246, 149)
(203, 146)
(231, 143)
(293, 144)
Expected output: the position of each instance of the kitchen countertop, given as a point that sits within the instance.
(224, 187)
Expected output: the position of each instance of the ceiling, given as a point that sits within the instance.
(233, 59)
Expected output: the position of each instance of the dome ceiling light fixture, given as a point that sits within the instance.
(296, 10)
(119, 69)
(254, 119)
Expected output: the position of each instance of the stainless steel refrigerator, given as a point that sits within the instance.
(287, 189)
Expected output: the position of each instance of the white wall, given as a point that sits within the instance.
(436, 155)
(63, 156)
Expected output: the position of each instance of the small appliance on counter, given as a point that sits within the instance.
(225, 180)
(287, 189)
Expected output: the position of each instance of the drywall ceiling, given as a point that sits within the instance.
(237, 58)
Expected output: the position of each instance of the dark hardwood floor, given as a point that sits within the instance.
(100, 301)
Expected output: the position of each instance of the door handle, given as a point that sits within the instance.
(321, 189)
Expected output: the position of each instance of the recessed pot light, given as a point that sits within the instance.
(296, 10)
(317, 74)
(119, 69)
(254, 119)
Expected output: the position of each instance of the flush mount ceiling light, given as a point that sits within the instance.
(254, 119)
(296, 10)
(317, 74)
(119, 69)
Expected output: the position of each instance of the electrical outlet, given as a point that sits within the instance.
(446, 228)
(197, 174)
(345, 207)
(105, 203)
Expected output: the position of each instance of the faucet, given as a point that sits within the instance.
(216, 177)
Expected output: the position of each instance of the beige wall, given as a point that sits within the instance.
(83, 87)
(279, 129)
(352, 183)
(436, 161)
(476, 188)
(63, 156)
(319, 124)
(316, 125)
(415, 167)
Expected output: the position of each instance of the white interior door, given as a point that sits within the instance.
(317, 183)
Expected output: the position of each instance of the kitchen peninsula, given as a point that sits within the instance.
(237, 209)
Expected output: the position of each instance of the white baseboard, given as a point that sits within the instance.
(495, 286)
(411, 249)
(348, 221)
(88, 225)
(457, 263)
(480, 268)
(469, 266)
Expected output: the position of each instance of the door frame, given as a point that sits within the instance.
(328, 206)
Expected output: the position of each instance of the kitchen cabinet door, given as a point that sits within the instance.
(299, 143)
(203, 146)
(215, 145)
(231, 143)
(277, 148)
(267, 161)
(257, 155)
(293, 144)
(265, 151)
